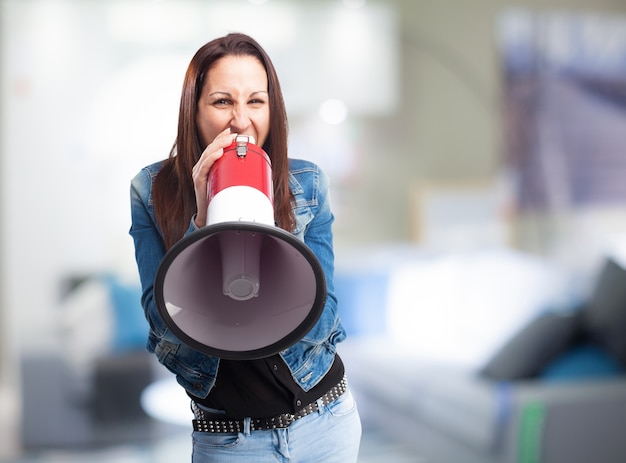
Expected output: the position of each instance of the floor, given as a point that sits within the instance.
(136, 439)
(374, 449)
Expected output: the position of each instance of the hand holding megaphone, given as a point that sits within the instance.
(200, 172)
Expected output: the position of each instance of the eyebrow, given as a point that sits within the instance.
(228, 94)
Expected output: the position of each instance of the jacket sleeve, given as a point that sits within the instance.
(318, 232)
(149, 251)
(314, 211)
(149, 247)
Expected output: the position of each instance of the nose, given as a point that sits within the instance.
(240, 120)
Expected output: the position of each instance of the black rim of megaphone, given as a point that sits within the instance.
(296, 335)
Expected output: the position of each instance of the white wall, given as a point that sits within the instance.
(91, 95)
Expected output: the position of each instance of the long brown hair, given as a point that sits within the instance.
(173, 191)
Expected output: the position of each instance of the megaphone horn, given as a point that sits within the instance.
(240, 288)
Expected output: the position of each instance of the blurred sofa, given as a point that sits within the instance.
(553, 390)
(82, 386)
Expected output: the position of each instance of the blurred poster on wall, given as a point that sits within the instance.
(565, 108)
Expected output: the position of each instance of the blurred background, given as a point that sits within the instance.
(477, 156)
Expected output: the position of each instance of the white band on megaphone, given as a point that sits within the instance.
(251, 205)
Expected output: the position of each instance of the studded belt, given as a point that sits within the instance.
(209, 422)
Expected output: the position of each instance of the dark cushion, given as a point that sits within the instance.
(586, 361)
(534, 346)
(605, 319)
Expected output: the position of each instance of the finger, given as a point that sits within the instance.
(225, 138)
(216, 147)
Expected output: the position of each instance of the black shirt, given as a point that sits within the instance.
(264, 388)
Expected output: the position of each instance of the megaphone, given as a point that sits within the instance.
(240, 288)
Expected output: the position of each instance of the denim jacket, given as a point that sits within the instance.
(310, 358)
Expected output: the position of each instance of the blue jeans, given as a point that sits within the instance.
(331, 435)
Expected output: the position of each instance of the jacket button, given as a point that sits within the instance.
(298, 403)
(197, 386)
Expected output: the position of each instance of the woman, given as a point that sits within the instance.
(231, 88)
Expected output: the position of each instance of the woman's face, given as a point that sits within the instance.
(235, 96)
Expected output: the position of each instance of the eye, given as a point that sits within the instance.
(221, 102)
